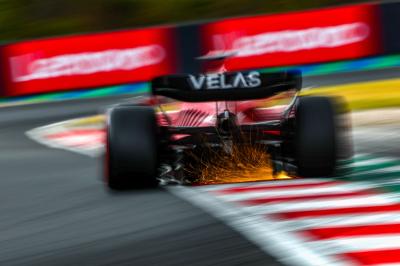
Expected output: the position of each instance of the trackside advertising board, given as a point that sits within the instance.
(98, 60)
(296, 38)
(87, 61)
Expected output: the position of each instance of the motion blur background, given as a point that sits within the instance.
(62, 60)
(59, 46)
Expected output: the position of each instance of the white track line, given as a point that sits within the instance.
(362, 156)
(373, 161)
(383, 170)
(356, 201)
(271, 183)
(336, 188)
(265, 233)
(95, 151)
(353, 244)
(342, 220)
(37, 134)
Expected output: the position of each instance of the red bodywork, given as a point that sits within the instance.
(223, 115)
(204, 114)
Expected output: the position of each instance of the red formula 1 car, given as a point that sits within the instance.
(147, 141)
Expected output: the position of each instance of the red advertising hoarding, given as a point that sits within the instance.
(295, 38)
(87, 61)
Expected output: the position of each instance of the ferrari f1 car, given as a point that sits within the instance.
(148, 140)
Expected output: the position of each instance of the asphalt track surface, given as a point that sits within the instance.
(55, 210)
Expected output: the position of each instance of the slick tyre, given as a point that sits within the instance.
(131, 159)
(315, 141)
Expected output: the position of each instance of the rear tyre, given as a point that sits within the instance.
(131, 158)
(315, 137)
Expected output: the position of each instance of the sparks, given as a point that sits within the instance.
(243, 163)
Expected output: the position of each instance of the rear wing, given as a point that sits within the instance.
(227, 86)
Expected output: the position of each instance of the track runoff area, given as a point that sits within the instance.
(351, 220)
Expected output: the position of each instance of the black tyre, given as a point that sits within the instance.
(316, 136)
(131, 158)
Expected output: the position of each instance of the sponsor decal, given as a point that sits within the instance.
(223, 81)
